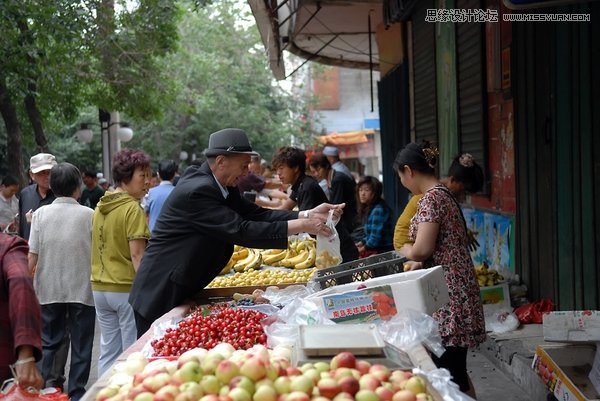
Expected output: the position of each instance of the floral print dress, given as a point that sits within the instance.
(460, 321)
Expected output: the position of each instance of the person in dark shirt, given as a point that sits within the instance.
(92, 192)
(37, 194)
(342, 188)
(290, 164)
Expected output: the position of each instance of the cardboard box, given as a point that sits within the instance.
(572, 326)
(381, 297)
(565, 370)
(496, 295)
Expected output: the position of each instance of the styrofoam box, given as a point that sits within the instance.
(496, 295)
(576, 326)
(379, 298)
(565, 369)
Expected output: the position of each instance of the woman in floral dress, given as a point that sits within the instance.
(439, 233)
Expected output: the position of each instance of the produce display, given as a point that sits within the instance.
(263, 277)
(258, 374)
(487, 277)
(208, 327)
(300, 254)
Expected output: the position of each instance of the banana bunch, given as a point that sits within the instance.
(242, 259)
(301, 255)
(487, 277)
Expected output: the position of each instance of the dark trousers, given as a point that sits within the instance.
(142, 325)
(56, 377)
(79, 320)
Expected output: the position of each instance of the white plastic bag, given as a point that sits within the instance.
(328, 248)
(501, 320)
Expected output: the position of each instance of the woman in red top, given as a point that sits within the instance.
(20, 315)
(440, 237)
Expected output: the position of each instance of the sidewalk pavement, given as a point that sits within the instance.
(512, 354)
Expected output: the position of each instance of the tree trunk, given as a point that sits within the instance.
(13, 132)
(30, 104)
(36, 120)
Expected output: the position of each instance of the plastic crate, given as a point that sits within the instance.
(360, 270)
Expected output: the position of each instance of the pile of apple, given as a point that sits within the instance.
(258, 374)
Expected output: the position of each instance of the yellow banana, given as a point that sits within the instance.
(254, 263)
(310, 260)
(227, 267)
(241, 264)
(271, 259)
(291, 262)
(240, 254)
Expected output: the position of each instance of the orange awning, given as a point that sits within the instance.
(346, 138)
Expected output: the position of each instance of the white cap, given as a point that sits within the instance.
(331, 151)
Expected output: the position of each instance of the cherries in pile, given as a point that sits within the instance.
(239, 327)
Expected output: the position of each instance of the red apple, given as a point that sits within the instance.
(166, 393)
(156, 382)
(297, 396)
(369, 382)
(381, 372)
(404, 395)
(363, 366)
(384, 393)
(107, 392)
(254, 368)
(242, 382)
(302, 383)
(366, 395)
(265, 393)
(293, 371)
(329, 388)
(226, 370)
(343, 396)
(344, 359)
(239, 394)
(349, 385)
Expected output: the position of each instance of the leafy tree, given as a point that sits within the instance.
(221, 78)
(58, 55)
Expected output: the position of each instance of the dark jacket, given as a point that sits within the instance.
(193, 240)
(308, 194)
(30, 199)
(343, 190)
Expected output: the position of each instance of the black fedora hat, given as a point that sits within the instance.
(228, 141)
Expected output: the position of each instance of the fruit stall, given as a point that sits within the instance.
(242, 340)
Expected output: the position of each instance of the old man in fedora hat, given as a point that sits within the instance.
(201, 221)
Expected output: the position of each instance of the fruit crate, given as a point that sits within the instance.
(377, 265)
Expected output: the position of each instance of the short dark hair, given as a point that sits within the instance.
(125, 162)
(65, 179)
(420, 157)
(90, 173)
(291, 157)
(320, 160)
(167, 169)
(9, 180)
(465, 170)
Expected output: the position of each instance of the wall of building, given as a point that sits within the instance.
(354, 104)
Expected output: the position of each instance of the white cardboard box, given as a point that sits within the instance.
(572, 326)
(379, 298)
(565, 371)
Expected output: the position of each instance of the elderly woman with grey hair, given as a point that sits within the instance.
(61, 259)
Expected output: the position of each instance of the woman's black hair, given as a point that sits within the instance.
(377, 188)
(421, 157)
(465, 170)
(65, 178)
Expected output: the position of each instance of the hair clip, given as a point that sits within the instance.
(466, 160)
(431, 153)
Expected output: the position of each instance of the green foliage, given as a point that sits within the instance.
(222, 79)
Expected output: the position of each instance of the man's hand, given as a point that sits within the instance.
(472, 243)
(321, 212)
